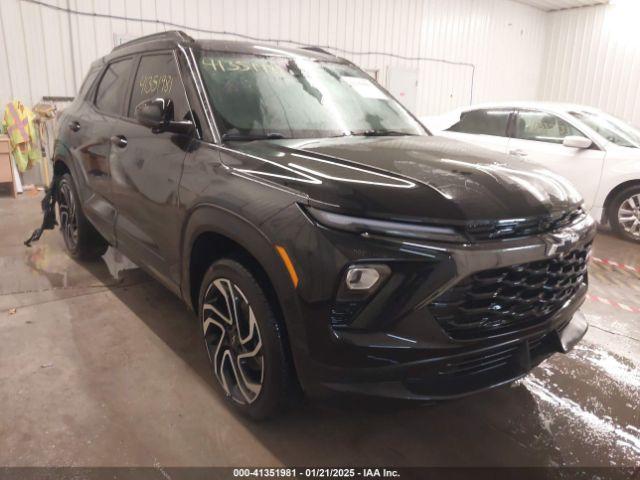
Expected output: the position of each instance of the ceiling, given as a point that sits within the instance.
(550, 5)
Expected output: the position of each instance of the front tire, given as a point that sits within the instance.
(624, 213)
(82, 240)
(245, 340)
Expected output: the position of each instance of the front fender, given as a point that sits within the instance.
(616, 172)
(209, 218)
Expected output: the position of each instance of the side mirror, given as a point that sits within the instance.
(157, 114)
(574, 141)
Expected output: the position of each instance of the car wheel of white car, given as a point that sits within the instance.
(625, 213)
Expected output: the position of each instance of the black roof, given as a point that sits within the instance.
(171, 38)
(258, 48)
(168, 36)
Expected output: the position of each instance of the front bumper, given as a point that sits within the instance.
(470, 370)
(393, 346)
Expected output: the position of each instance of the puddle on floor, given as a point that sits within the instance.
(597, 430)
(623, 370)
(590, 398)
(47, 267)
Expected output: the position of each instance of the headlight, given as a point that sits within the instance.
(383, 227)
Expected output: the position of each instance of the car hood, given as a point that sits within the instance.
(410, 178)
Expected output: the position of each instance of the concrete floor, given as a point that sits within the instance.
(104, 371)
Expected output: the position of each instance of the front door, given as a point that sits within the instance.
(146, 170)
(538, 138)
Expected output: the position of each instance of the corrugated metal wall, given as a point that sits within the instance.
(48, 49)
(593, 58)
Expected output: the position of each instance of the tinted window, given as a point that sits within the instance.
(158, 76)
(543, 127)
(483, 122)
(88, 82)
(113, 87)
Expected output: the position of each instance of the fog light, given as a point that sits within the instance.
(362, 281)
(361, 278)
(358, 285)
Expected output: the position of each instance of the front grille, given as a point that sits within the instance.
(498, 301)
(491, 230)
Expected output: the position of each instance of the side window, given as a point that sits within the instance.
(158, 76)
(543, 127)
(483, 122)
(113, 87)
(88, 83)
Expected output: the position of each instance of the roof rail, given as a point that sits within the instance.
(317, 49)
(176, 35)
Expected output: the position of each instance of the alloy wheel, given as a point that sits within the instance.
(233, 341)
(68, 216)
(629, 215)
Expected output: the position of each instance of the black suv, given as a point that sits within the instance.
(326, 240)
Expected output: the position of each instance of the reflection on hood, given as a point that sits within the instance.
(409, 177)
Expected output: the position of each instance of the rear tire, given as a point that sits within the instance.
(624, 213)
(245, 341)
(82, 240)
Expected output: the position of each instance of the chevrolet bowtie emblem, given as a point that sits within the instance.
(560, 242)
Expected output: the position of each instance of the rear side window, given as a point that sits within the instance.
(483, 122)
(158, 76)
(543, 127)
(88, 83)
(113, 87)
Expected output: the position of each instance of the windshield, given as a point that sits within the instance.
(614, 130)
(295, 97)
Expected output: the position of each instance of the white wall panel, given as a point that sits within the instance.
(593, 58)
(504, 41)
(48, 50)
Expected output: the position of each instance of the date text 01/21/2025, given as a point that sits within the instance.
(316, 473)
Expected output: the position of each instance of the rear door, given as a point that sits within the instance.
(538, 137)
(486, 127)
(89, 130)
(146, 170)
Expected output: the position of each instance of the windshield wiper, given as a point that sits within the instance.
(247, 137)
(380, 133)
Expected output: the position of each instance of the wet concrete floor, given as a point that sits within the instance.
(101, 366)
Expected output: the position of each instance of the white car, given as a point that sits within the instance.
(597, 152)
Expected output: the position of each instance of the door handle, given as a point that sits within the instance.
(518, 152)
(74, 126)
(119, 141)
